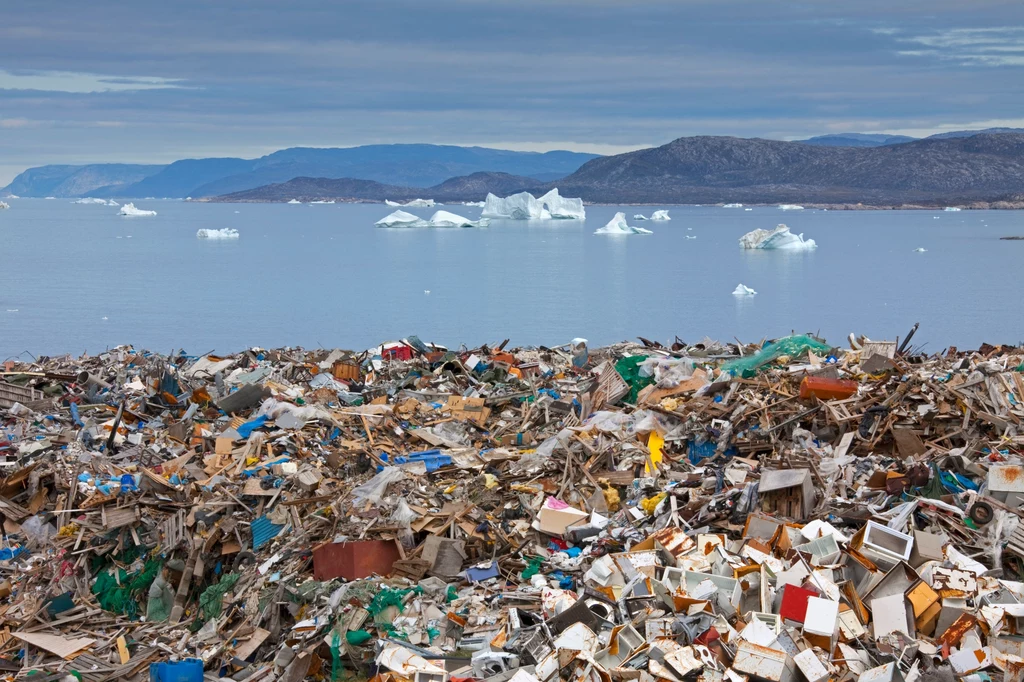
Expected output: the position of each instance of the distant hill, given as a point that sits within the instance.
(972, 133)
(472, 187)
(727, 169)
(981, 168)
(857, 140)
(412, 165)
(76, 181)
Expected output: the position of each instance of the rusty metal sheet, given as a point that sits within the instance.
(354, 560)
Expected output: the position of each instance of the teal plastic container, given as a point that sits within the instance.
(189, 670)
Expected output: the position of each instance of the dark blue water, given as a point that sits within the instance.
(71, 279)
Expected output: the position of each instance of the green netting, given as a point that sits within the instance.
(119, 595)
(629, 369)
(533, 567)
(790, 346)
(210, 601)
(452, 595)
(336, 667)
(389, 597)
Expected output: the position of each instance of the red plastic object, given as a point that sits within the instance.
(794, 603)
(827, 389)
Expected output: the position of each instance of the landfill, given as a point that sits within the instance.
(783, 511)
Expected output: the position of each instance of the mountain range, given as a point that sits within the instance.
(413, 165)
(987, 167)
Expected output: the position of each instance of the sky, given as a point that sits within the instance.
(152, 82)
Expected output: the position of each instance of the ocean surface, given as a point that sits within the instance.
(79, 278)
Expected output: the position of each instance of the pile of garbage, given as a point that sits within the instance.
(782, 511)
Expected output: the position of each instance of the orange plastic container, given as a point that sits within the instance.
(827, 389)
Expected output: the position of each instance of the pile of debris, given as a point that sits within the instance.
(785, 511)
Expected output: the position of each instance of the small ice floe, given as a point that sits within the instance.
(104, 318)
(426, 292)
(743, 290)
(777, 239)
(920, 249)
(639, 216)
(691, 236)
(223, 233)
(132, 212)
(790, 207)
(660, 215)
(617, 225)
(415, 203)
(294, 201)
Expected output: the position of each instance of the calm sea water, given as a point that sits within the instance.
(76, 278)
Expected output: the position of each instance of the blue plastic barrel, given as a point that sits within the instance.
(189, 670)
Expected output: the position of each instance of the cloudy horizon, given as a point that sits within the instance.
(148, 83)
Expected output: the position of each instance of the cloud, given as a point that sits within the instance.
(81, 83)
(990, 46)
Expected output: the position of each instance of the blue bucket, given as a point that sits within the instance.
(190, 670)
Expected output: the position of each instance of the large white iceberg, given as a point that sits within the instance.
(130, 210)
(415, 203)
(617, 225)
(439, 219)
(743, 290)
(790, 207)
(524, 206)
(223, 233)
(779, 238)
(660, 215)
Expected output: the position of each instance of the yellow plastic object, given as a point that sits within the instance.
(655, 443)
(490, 481)
(649, 504)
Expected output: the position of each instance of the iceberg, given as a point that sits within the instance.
(130, 210)
(732, 205)
(477, 204)
(790, 207)
(321, 201)
(4, 204)
(617, 225)
(920, 249)
(743, 290)
(223, 233)
(400, 219)
(415, 203)
(112, 203)
(294, 201)
(951, 208)
(778, 239)
(639, 216)
(524, 206)
(660, 215)
(90, 200)
(439, 219)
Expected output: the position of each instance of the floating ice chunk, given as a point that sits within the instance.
(563, 208)
(294, 201)
(790, 207)
(779, 238)
(415, 203)
(130, 210)
(446, 219)
(689, 236)
(4, 204)
(732, 205)
(400, 219)
(660, 215)
(951, 208)
(112, 203)
(524, 206)
(223, 233)
(439, 219)
(920, 249)
(91, 200)
(321, 201)
(748, 209)
(477, 204)
(639, 216)
(617, 225)
(743, 290)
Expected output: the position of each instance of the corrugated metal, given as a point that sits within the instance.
(263, 531)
